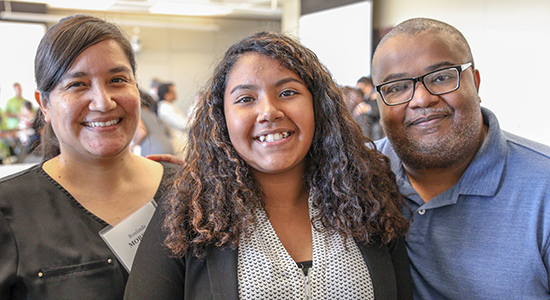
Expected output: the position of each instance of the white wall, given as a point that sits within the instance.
(510, 41)
(342, 38)
(187, 57)
(18, 47)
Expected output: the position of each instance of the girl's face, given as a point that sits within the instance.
(94, 109)
(269, 114)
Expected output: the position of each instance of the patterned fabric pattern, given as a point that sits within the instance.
(267, 271)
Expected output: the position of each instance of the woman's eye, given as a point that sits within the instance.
(118, 80)
(75, 85)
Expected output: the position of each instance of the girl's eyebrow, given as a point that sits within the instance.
(286, 80)
(253, 87)
(243, 87)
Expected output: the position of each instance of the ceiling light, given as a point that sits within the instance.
(177, 8)
(76, 5)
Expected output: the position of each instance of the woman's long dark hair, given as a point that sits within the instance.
(215, 196)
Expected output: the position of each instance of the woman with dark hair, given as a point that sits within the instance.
(279, 198)
(61, 220)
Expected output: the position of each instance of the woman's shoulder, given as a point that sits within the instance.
(23, 181)
(10, 172)
(165, 173)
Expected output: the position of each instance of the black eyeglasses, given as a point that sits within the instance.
(437, 82)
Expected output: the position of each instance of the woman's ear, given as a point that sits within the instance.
(43, 103)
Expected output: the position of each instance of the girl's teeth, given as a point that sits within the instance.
(273, 137)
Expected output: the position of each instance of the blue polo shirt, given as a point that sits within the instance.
(488, 236)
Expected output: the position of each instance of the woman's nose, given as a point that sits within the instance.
(101, 99)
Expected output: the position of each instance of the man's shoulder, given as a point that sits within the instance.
(11, 101)
(383, 145)
(526, 146)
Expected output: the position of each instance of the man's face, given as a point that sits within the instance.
(429, 131)
(18, 90)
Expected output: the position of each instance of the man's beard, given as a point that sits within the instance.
(450, 149)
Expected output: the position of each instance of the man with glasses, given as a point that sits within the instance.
(479, 196)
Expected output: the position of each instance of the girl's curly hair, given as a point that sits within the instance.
(215, 195)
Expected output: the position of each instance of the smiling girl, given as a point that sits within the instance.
(280, 197)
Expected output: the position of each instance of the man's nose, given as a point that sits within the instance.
(422, 97)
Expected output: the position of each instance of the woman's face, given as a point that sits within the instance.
(269, 114)
(94, 109)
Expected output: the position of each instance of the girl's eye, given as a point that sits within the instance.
(288, 93)
(245, 100)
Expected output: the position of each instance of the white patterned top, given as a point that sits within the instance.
(267, 271)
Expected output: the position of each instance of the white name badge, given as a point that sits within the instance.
(124, 238)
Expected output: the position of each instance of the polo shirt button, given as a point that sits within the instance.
(422, 211)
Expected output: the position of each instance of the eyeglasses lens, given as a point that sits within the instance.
(437, 83)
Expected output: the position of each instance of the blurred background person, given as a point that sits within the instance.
(5, 150)
(13, 106)
(174, 118)
(368, 108)
(353, 97)
(27, 116)
(152, 136)
(154, 90)
(30, 152)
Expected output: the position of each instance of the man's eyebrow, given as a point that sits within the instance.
(394, 76)
(428, 69)
(439, 65)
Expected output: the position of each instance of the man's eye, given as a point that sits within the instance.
(441, 78)
(397, 87)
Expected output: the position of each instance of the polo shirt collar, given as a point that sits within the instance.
(485, 172)
(482, 177)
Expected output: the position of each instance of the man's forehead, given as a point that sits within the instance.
(403, 42)
(405, 53)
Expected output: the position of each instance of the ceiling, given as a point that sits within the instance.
(52, 10)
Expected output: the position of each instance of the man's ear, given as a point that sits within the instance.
(44, 105)
(477, 79)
